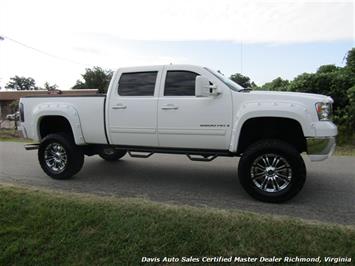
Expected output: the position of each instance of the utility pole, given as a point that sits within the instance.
(1, 39)
(241, 57)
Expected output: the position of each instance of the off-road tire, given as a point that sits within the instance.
(267, 147)
(74, 157)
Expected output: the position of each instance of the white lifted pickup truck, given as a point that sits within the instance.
(185, 109)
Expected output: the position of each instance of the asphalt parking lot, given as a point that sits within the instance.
(328, 195)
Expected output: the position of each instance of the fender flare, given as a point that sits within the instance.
(65, 110)
(289, 110)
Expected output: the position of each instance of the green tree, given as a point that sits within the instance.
(242, 80)
(94, 78)
(350, 61)
(328, 68)
(14, 106)
(49, 87)
(254, 86)
(277, 84)
(21, 83)
(345, 119)
(334, 84)
(339, 83)
(351, 107)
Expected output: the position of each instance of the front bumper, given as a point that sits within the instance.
(320, 148)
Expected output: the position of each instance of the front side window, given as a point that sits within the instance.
(180, 83)
(137, 84)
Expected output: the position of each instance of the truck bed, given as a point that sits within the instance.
(90, 110)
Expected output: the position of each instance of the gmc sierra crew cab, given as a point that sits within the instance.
(190, 110)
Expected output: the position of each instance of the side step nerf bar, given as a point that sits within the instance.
(32, 146)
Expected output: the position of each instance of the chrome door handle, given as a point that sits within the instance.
(119, 106)
(169, 107)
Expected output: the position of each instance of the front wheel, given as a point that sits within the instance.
(59, 157)
(272, 171)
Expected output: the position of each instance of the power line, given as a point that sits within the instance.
(41, 51)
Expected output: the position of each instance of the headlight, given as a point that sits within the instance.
(324, 111)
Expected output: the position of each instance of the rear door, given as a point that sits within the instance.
(132, 107)
(187, 121)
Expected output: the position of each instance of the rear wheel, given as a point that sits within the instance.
(59, 157)
(272, 171)
(111, 155)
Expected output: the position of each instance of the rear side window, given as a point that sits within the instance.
(137, 84)
(180, 83)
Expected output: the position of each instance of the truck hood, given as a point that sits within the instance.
(290, 96)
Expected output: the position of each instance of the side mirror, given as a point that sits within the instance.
(204, 89)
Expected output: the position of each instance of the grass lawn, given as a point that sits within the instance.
(41, 227)
(345, 150)
(12, 135)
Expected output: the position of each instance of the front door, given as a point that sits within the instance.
(187, 121)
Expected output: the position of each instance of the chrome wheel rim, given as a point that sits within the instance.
(271, 173)
(55, 157)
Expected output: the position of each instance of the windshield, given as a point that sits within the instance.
(230, 83)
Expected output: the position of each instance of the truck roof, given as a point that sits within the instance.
(153, 66)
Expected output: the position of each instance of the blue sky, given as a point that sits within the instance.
(280, 37)
(261, 62)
